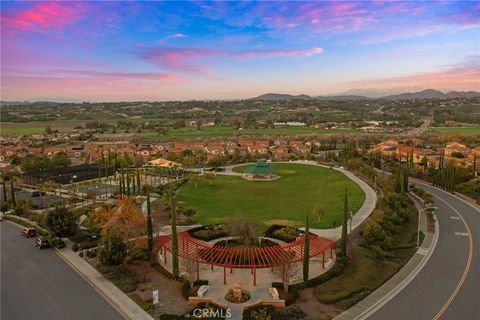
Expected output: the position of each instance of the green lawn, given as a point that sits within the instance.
(471, 130)
(283, 201)
(228, 131)
(36, 127)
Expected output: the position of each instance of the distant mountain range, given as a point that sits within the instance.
(425, 94)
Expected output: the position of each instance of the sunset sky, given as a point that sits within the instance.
(115, 51)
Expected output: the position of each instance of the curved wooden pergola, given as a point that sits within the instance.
(243, 257)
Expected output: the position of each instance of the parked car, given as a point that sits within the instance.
(29, 232)
(42, 243)
(37, 194)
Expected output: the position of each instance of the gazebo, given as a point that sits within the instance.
(261, 170)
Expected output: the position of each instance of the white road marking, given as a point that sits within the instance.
(462, 234)
(422, 251)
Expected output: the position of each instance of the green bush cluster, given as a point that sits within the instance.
(285, 233)
(56, 242)
(121, 277)
(136, 254)
(292, 312)
(209, 232)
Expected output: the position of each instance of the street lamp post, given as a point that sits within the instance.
(418, 223)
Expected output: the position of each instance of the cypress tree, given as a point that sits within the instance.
(12, 192)
(4, 190)
(128, 182)
(474, 164)
(149, 224)
(306, 249)
(139, 182)
(133, 183)
(122, 181)
(344, 225)
(174, 234)
(405, 179)
(115, 159)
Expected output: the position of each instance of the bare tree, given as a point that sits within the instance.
(189, 265)
(286, 267)
(245, 230)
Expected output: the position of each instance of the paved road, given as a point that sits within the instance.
(38, 284)
(417, 131)
(448, 287)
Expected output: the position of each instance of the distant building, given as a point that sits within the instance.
(289, 124)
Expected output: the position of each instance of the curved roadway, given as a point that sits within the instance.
(448, 286)
(38, 284)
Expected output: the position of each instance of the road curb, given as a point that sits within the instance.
(122, 308)
(93, 285)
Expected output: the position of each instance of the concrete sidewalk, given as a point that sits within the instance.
(119, 300)
(400, 280)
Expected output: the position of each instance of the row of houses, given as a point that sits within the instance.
(453, 152)
(90, 152)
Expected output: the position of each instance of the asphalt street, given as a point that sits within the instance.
(448, 287)
(38, 284)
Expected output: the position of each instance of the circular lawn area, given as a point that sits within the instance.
(283, 201)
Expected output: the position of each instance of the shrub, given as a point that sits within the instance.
(292, 312)
(120, 277)
(75, 247)
(209, 232)
(258, 313)
(244, 297)
(136, 254)
(87, 244)
(61, 221)
(56, 242)
(113, 250)
(283, 233)
(373, 232)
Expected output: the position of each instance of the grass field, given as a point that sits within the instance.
(472, 130)
(229, 131)
(10, 128)
(283, 201)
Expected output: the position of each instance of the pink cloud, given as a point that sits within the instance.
(187, 59)
(459, 77)
(87, 84)
(44, 16)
